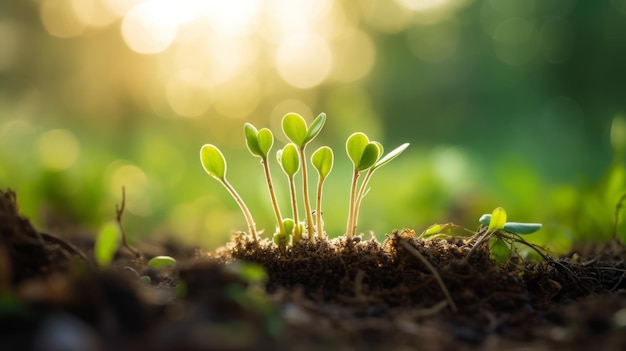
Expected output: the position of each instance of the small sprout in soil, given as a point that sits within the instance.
(322, 160)
(295, 128)
(259, 143)
(144, 279)
(282, 240)
(214, 164)
(106, 245)
(160, 262)
(365, 155)
(289, 161)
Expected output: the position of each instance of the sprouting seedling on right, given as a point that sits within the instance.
(295, 128)
(365, 155)
(214, 164)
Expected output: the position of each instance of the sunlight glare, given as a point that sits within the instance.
(59, 19)
(149, 27)
(58, 149)
(304, 61)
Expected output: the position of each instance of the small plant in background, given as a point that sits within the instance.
(290, 163)
(106, 245)
(214, 164)
(322, 160)
(295, 128)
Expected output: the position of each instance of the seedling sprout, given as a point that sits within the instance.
(290, 162)
(322, 160)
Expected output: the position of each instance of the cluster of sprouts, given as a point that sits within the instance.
(366, 156)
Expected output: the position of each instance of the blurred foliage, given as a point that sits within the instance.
(512, 103)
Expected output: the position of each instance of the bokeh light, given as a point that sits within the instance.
(58, 149)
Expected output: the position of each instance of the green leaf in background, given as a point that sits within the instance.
(213, 161)
(499, 251)
(322, 160)
(289, 159)
(498, 219)
(294, 127)
(107, 243)
(433, 229)
(315, 128)
(252, 272)
(160, 262)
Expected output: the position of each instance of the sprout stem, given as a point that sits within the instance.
(243, 208)
(270, 186)
(359, 198)
(319, 224)
(305, 191)
(350, 230)
(294, 210)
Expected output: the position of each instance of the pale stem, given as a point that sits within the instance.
(305, 190)
(243, 208)
(350, 229)
(359, 198)
(294, 205)
(319, 225)
(270, 186)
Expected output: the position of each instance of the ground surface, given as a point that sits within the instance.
(322, 295)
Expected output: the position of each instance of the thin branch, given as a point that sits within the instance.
(433, 270)
(119, 211)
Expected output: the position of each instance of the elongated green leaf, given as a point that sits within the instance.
(213, 161)
(499, 250)
(294, 127)
(371, 154)
(252, 139)
(522, 228)
(107, 243)
(266, 140)
(322, 160)
(498, 219)
(433, 229)
(390, 156)
(355, 145)
(160, 262)
(290, 160)
(315, 127)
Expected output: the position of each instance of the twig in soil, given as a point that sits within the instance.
(433, 270)
(479, 242)
(119, 211)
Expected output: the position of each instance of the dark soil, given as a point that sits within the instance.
(322, 295)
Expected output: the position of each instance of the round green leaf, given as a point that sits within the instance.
(106, 244)
(289, 224)
(213, 161)
(390, 156)
(498, 219)
(322, 160)
(371, 154)
(355, 145)
(160, 262)
(266, 140)
(295, 128)
(499, 251)
(485, 219)
(315, 127)
(252, 140)
(289, 159)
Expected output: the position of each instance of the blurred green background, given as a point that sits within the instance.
(512, 103)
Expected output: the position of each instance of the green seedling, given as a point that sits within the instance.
(282, 240)
(214, 164)
(322, 160)
(295, 129)
(107, 243)
(289, 161)
(259, 143)
(365, 155)
(160, 262)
